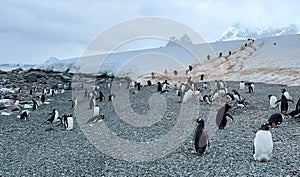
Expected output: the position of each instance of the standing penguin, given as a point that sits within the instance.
(35, 105)
(200, 137)
(242, 85)
(54, 116)
(92, 103)
(101, 96)
(43, 98)
(275, 119)
(111, 97)
(222, 114)
(68, 122)
(96, 111)
(139, 86)
(284, 106)
(286, 94)
(263, 144)
(149, 83)
(159, 87)
(250, 87)
(273, 100)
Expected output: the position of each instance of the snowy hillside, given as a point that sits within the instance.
(271, 60)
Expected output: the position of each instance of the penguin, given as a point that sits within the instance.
(74, 103)
(273, 100)
(236, 95)
(111, 97)
(43, 98)
(96, 111)
(149, 83)
(24, 115)
(221, 119)
(286, 94)
(207, 99)
(205, 85)
(242, 85)
(139, 86)
(54, 116)
(215, 95)
(202, 77)
(164, 86)
(101, 96)
(96, 119)
(159, 87)
(86, 93)
(200, 138)
(68, 122)
(190, 67)
(296, 112)
(263, 144)
(35, 105)
(275, 120)
(284, 106)
(250, 87)
(30, 92)
(230, 96)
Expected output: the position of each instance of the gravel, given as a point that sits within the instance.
(36, 148)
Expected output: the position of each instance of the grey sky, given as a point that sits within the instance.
(32, 30)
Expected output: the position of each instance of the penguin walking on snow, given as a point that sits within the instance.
(275, 119)
(200, 138)
(222, 114)
(35, 105)
(68, 122)
(263, 144)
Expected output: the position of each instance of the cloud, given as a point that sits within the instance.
(40, 29)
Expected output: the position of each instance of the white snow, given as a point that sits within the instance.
(261, 61)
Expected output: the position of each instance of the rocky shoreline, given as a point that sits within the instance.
(37, 148)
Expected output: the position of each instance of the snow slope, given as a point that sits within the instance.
(259, 61)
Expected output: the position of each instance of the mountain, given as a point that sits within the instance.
(271, 60)
(236, 32)
(51, 60)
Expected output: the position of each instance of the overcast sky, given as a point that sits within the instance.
(33, 30)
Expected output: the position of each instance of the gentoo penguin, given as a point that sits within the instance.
(200, 138)
(273, 100)
(230, 96)
(95, 119)
(205, 85)
(284, 106)
(24, 115)
(53, 116)
(35, 105)
(207, 99)
(74, 103)
(164, 86)
(250, 87)
(159, 87)
(68, 122)
(149, 83)
(139, 86)
(236, 95)
(263, 144)
(275, 119)
(43, 98)
(111, 97)
(242, 85)
(222, 114)
(96, 111)
(286, 94)
(296, 112)
(101, 96)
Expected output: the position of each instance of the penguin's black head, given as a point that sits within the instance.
(265, 126)
(200, 121)
(227, 107)
(269, 96)
(283, 90)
